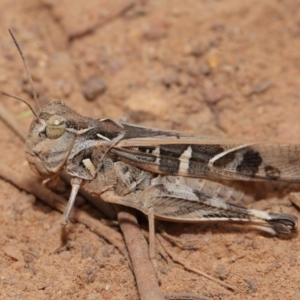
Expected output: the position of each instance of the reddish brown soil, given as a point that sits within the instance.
(228, 68)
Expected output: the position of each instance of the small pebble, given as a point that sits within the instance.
(65, 255)
(213, 95)
(93, 87)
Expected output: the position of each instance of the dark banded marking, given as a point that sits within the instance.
(225, 160)
(200, 157)
(172, 150)
(169, 155)
(251, 161)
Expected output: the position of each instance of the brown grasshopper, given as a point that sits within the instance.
(155, 171)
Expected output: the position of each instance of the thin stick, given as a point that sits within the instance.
(175, 258)
(139, 254)
(82, 32)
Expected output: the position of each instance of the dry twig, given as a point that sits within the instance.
(139, 253)
(176, 259)
(90, 29)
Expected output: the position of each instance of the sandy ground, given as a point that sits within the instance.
(228, 68)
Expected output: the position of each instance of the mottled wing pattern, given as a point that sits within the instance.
(181, 203)
(180, 154)
(260, 161)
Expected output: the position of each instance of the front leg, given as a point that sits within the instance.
(75, 183)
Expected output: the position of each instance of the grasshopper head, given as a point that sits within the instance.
(51, 138)
(52, 133)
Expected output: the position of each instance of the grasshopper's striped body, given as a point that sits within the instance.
(145, 166)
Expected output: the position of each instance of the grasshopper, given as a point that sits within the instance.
(158, 172)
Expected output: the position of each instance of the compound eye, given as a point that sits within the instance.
(56, 126)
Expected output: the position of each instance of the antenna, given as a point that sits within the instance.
(30, 107)
(29, 78)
